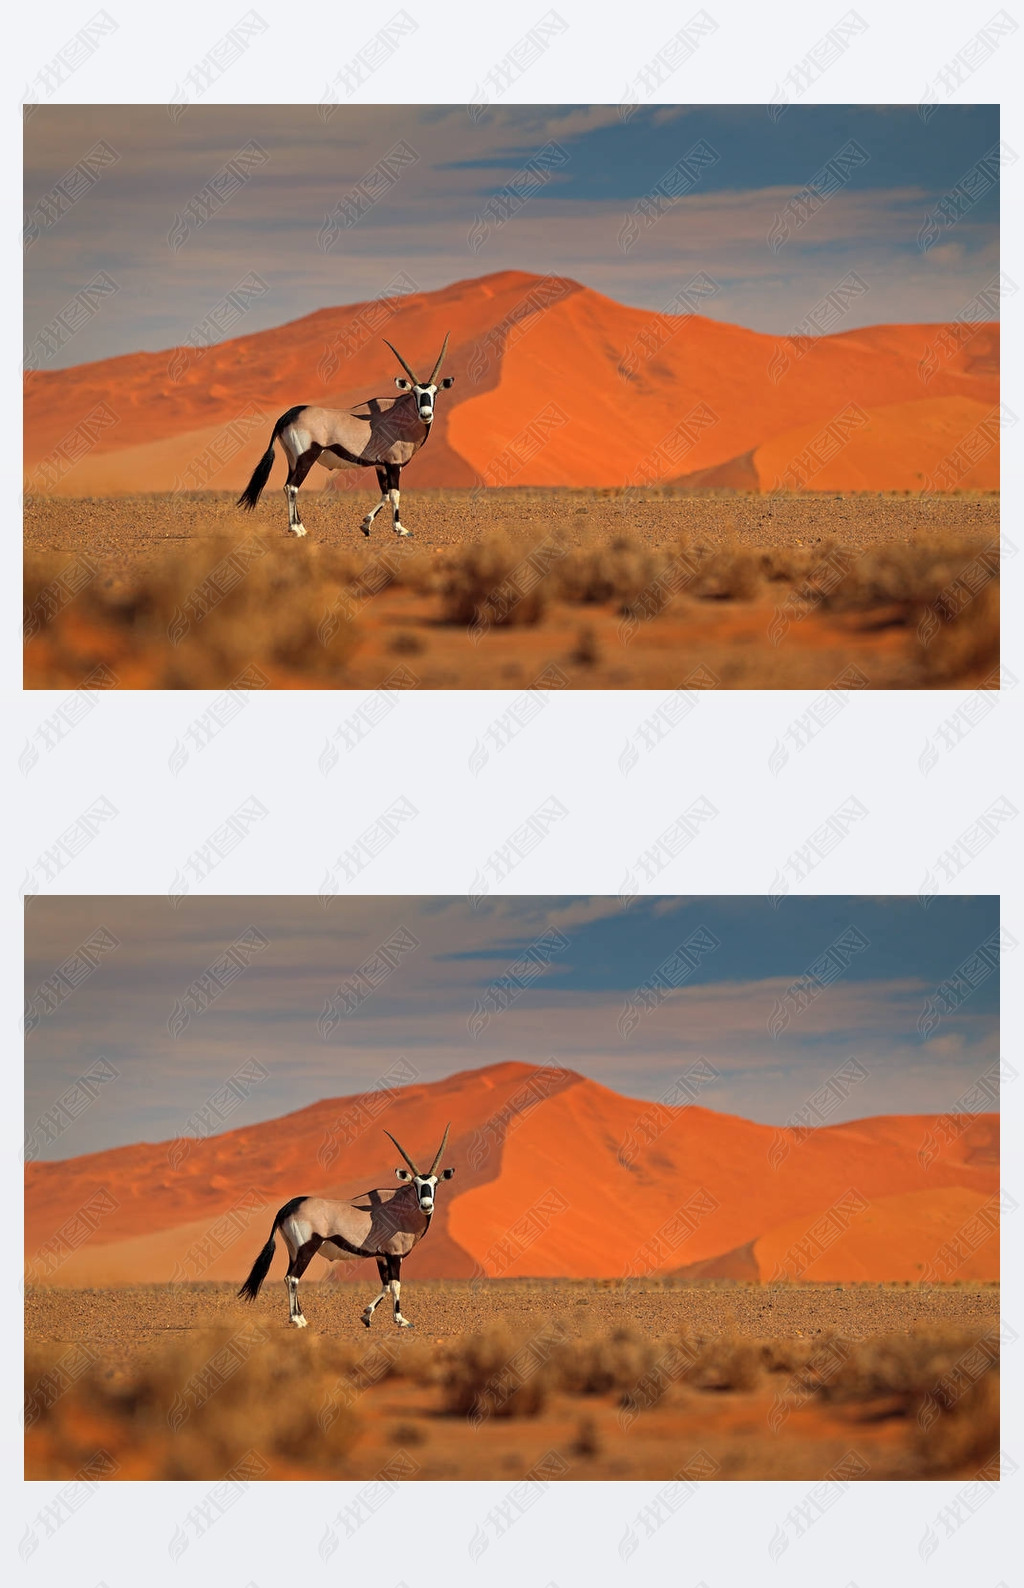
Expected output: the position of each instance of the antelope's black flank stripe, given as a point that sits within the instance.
(350, 457)
(346, 1246)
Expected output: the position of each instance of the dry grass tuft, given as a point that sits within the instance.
(596, 1365)
(735, 573)
(495, 1374)
(497, 583)
(963, 1429)
(725, 1363)
(917, 571)
(965, 642)
(944, 1381)
(905, 1364)
(617, 570)
(787, 1355)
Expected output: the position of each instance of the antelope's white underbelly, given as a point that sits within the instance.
(331, 460)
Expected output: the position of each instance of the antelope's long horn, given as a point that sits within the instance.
(447, 1128)
(440, 361)
(415, 382)
(402, 1150)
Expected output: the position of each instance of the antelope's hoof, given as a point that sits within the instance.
(403, 1323)
(297, 529)
(365, 1318)
(300, 1323)
(403, 534)
(365, 527)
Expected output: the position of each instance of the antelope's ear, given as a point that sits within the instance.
(402, 383)
(449, 380)
(403, 1174)
(447, 1174)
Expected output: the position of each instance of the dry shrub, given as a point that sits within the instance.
(912, 1365)
(495, 1374)
(916, 572)
(731, 574)
(792, 564)
(497, 583)
(201, 618)
(618, 570)
(501, 1374)
(197, 1407)
(835, 577)
(725, 1363)
(964, 1430)
(645, 1370)
(791, 1355)
(944, 1381)
(619, 1361)
(966, 642)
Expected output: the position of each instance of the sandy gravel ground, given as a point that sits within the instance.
(112, 528)
(122, 1322)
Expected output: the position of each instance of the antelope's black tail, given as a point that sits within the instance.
(261, 473)
(261, 1267)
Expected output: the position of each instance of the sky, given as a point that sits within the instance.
(579, 187)
(165, 1004)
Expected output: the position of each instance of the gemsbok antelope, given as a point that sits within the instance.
(383, 433)
(385, 1224)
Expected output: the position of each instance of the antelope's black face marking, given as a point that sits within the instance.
(424, 1184)
(424, 395)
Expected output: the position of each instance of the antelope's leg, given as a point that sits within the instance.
(296, 1268)
(395, 1279)
(291, 496)
(382, 1269)
(294, 1310)
(296, 474)
(382, 481)
(394, 477)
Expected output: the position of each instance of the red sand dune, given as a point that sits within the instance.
(579, 391)
(933, 444)
(905, 1227)
(556, 1175)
